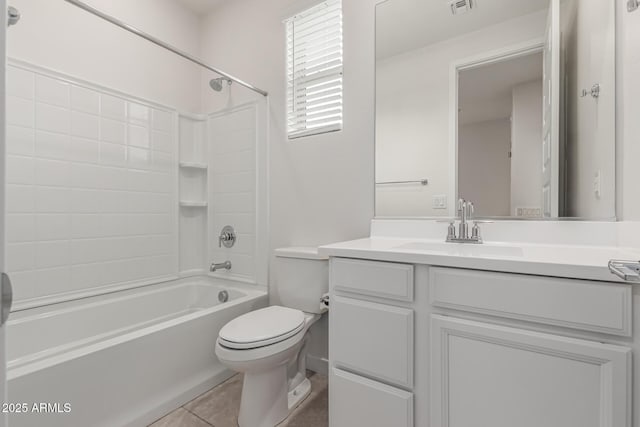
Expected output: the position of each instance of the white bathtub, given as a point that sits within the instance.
(122, 359)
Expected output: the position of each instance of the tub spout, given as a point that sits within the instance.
(222, 265)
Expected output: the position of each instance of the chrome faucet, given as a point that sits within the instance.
(221, 265)
(465, 212)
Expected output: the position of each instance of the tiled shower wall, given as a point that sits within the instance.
(91, 196)
(232, 188)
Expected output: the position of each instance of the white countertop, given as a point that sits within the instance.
(572, 261)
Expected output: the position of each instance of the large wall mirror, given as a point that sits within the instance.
(509, 104)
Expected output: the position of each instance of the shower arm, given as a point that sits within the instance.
(162, 44)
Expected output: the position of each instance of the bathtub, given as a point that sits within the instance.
(122, 359)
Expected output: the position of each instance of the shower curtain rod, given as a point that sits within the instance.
(162, 44)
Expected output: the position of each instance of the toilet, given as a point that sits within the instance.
(269, 345)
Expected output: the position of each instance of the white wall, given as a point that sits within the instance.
(590, 122)
(526, 146)
(484, 168)
(413, 107)
(57, 35)
(628, 109)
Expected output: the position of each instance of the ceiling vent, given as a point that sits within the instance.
(458, 7)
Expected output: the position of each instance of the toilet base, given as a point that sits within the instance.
(298, 394)
(265, 400)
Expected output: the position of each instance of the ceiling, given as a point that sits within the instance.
(404, 25)
(486, 91)
(201, 7)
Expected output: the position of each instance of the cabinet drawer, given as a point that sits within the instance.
(379, 279)
(372, 339)
(577, 304)
(357, 401)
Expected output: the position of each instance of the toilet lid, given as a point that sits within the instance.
(262, 327)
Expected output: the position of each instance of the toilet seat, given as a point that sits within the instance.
(261, 328)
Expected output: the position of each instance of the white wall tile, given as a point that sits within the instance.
(161, 141)
(83, 150)
(20, 82)
(139, 158)
(53, 173)
(234, 203)
(113, 107)
(139, 136)
(20, 112)
(241, 182)
(23, 283)
(112, 178)
(20, 140)
(138, 113)
(52, 118)
(51, 145)
(53, 91)
(85, 125)
(162, 161)
(52, 226)
(54, 280)
(52, 199)
(20, 256)
(20, 170)
(52, 254)
(239, 161)
(84, 175)
(113, 154)
(88, 201)
(113, 131)
(85, 100)
(243, 223)
(20, 198)
(229, 142)
(20, 228)
(86, 275)
(85, 226)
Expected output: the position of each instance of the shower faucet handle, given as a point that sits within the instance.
(227, 237)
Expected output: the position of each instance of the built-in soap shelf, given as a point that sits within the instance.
(193, 165)
(193, 204)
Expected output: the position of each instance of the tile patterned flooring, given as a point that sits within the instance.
(219, 407)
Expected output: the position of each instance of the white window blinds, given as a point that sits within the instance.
(314, 70)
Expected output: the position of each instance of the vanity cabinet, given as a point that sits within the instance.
(371, 348)
(449, 347)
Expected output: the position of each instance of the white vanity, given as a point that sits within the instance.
(509, 104)
(426, 333)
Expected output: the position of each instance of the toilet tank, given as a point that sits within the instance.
(302, 278)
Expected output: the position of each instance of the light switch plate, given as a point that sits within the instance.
(439, 202)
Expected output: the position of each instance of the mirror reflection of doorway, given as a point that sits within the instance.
(500, 107)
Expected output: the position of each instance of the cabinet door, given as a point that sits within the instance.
(488, 375)
(372, 339)
(357, 401)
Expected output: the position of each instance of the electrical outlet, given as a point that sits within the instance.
(439, 202)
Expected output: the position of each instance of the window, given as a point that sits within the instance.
(314, 70)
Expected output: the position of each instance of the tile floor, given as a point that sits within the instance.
(219, 407)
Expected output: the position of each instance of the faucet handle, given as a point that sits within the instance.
(471, 210)
(461, 205)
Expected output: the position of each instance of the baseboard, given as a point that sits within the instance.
(318, 364)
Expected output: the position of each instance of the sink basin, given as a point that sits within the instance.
(464, 249)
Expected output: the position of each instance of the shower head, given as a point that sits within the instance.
(216, 84)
